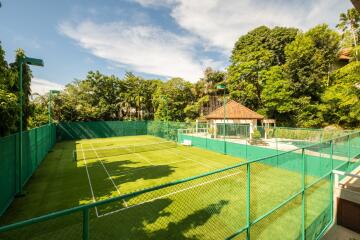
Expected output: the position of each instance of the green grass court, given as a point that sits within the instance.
(211, 207)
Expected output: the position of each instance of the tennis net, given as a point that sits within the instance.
(93, 153)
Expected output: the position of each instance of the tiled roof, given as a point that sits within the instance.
(234, 110)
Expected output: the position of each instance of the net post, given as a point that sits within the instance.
(247, 201)
(85, 234)
(303, 194)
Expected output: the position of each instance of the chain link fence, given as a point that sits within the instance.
(273, 195)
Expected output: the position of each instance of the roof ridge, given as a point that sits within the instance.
(236, 111)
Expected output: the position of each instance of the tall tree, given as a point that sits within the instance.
(278, 96)
(351, 21)
(9, 116)
(253, 53)
(341, 101)
(309, 58)
(171, 98)
(27, 75)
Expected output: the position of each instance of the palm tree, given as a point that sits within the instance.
(351, 21)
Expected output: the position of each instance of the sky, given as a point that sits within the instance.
(151, 38)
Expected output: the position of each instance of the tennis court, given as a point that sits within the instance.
(210, 207)
(128, 164)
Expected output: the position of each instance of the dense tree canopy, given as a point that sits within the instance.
(292, 76)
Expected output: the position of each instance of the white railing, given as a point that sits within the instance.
(338, 173)
(193, 131)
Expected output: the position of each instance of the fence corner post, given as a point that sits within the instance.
(303, 179)
(248, 199)
(86, 224)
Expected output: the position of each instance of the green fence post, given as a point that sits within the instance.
(349, 148)
(331, 181)
(36, 147)
(86, 224)
(247, 201)
(303, 194)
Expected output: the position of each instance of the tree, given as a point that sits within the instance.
(278, 96)
(253, 53)
(341, 101)
(27, 76)
(309, 58)
(171, 98)
(351, 21)
(39, 111)
(8, 99)
(278, 39)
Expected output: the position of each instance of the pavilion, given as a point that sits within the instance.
(235, 114)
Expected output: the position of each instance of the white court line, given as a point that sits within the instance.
(221, 164)
(205, 165)
(88, 175)
(169, 194)
(145, 158)
(108, 174)
(152, 166)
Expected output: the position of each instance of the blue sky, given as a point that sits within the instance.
(153, 38)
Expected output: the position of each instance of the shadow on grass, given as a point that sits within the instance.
(154, 220)
(159, 219)
(121, 172)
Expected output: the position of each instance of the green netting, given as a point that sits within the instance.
(318, 207)
(100, 129)
(36, 144)
(8, 159)
(167, 130)
(103, 129)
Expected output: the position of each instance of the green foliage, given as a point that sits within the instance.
(27, 75)
(8, 98)
(341, 101)
(39, 112)
(171, 99)
(291, 76)
(253, 53)
(256, 134)
(278, 96)
(8, 112)
(308, 60)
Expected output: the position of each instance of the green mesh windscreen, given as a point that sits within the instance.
(99, 129)
(36, 144)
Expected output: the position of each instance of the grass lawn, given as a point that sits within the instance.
(212, 207)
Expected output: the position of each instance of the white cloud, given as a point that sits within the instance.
(143, 48)
(42, 86)
(209, 25)
(221, 22)
(152, 3)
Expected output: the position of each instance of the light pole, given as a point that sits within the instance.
(49, 107)
(223, 87)
(22, 61)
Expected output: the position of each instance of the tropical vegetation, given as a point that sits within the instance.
(293, 76)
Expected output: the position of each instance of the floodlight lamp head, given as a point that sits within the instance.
(33, 61)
